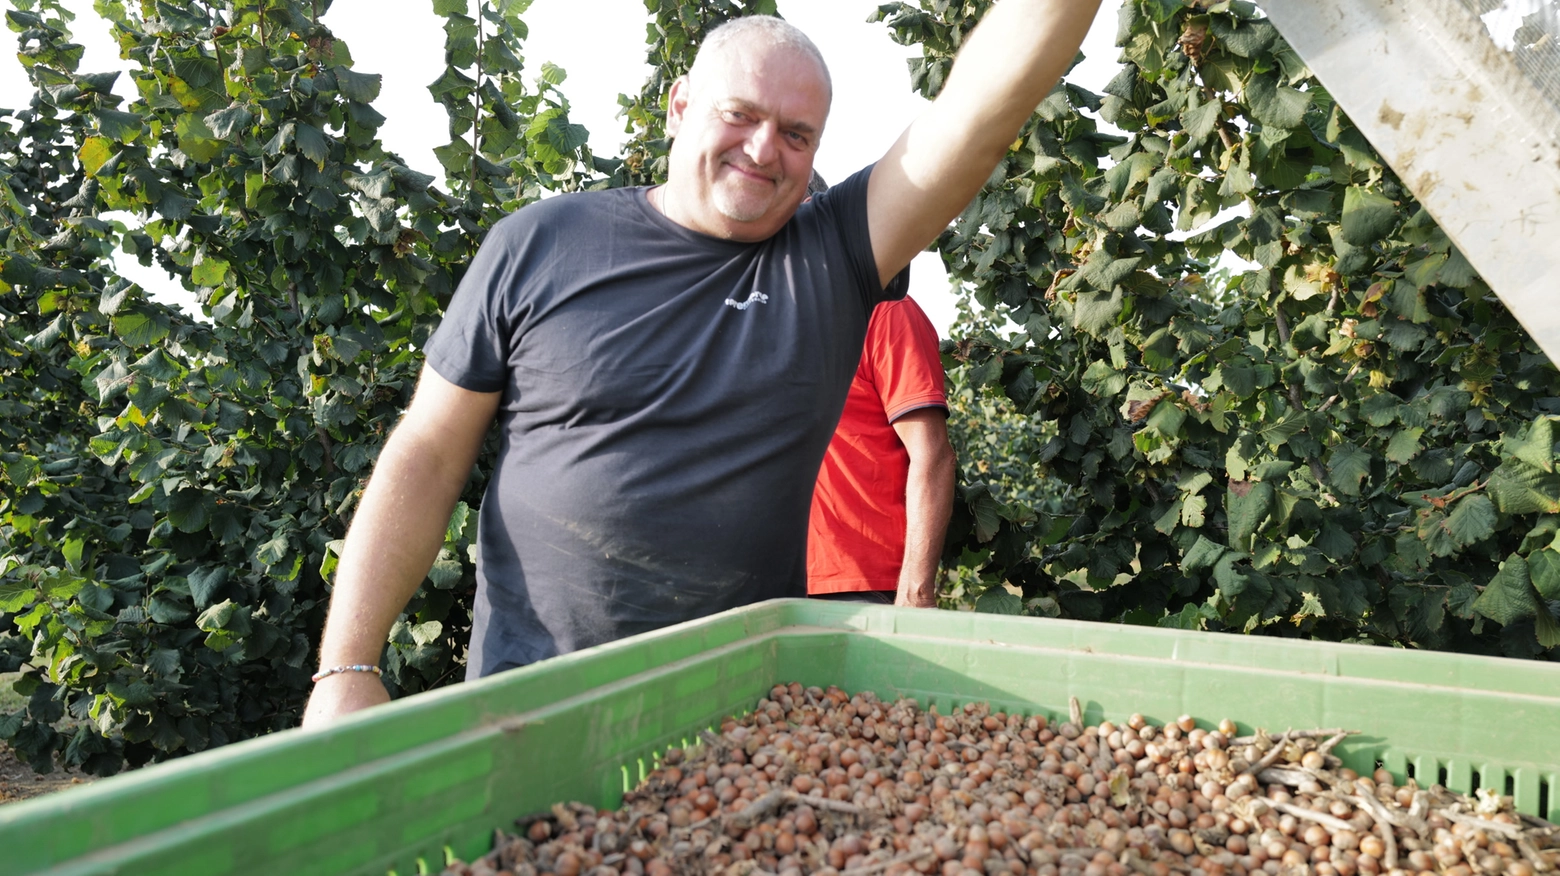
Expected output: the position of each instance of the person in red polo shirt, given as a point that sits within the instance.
(885, 491)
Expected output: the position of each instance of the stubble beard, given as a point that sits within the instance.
(741, 207)
(743, 200)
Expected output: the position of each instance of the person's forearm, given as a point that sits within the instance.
(394, 538)
(1007, 65)
(399, 527)
(928, 506)
(1005, 68)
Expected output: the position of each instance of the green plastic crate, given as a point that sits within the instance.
(391, 786)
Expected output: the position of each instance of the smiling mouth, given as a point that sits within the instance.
(751, 174)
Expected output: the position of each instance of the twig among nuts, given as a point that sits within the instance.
(1327, 821)
(1269, 758)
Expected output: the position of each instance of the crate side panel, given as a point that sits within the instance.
(391, 812)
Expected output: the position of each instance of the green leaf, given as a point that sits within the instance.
(229, 124)
(16, 596)
(1247, 505)
(1310, 606)
(998, 600)
(1535, 445)
(1519, 488)
(1194, 481)
(1275, 105)
(1203, 555)
(312, 143)
(1194, 510)
(95, 152)
(1104, 271)
(1544, 569)
(118, 126)
(426, 633)
(1096, 312)
(205, 584)
(1405, 445)
(189, 510)
(1199, 121)
(164, 610)
(157, 366)
(1367, 216)
(1335, 542)
(1246, 38)
(209, 272)
(1231, 581)
(1545, 628)
(196, 139)
(141, 326)
(1472, 520)
(274, 551)
(565, 136)
(1238, 377)
(457, 524)
(1190, 617)
(1277, 434)
(1102, 380)
(1310, 333)
(361, 87)
(1347, 466)
(446, 571)
(1509, 597)
(254, 184)
(225, 615)
(1381, 409)
(987, 512)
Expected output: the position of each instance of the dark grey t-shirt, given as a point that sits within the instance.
(667, 399)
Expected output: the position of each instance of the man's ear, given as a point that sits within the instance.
(677, 105)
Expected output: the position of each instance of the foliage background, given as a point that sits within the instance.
(1353, 442)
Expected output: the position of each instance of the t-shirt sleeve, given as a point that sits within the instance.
(848, 204)
(905, 363)
(471, 346)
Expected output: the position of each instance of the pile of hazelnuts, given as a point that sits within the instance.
(815, 781)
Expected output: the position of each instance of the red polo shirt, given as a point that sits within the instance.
(856, 537)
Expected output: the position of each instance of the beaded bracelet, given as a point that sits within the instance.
(336, 670)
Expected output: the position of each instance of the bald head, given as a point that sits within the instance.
(745, 124)
(754, 32)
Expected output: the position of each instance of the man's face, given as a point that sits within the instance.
(746, 131)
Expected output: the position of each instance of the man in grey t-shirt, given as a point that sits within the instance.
(667, 364)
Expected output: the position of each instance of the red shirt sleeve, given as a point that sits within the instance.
(902, 361)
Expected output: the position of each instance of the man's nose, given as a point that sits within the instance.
(763, 144)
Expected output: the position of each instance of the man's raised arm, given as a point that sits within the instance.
(395, 535)
(1005, 68)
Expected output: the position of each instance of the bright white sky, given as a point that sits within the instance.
(601, 45)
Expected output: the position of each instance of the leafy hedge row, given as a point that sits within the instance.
(174, 488)
(1352, 440)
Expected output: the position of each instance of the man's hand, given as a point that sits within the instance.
(1005, 68)
(919, 597)
(928, 503)
(342, 694)
(397, 532)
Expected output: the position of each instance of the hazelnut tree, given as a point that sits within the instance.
(1350, 440)
(174, 487)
